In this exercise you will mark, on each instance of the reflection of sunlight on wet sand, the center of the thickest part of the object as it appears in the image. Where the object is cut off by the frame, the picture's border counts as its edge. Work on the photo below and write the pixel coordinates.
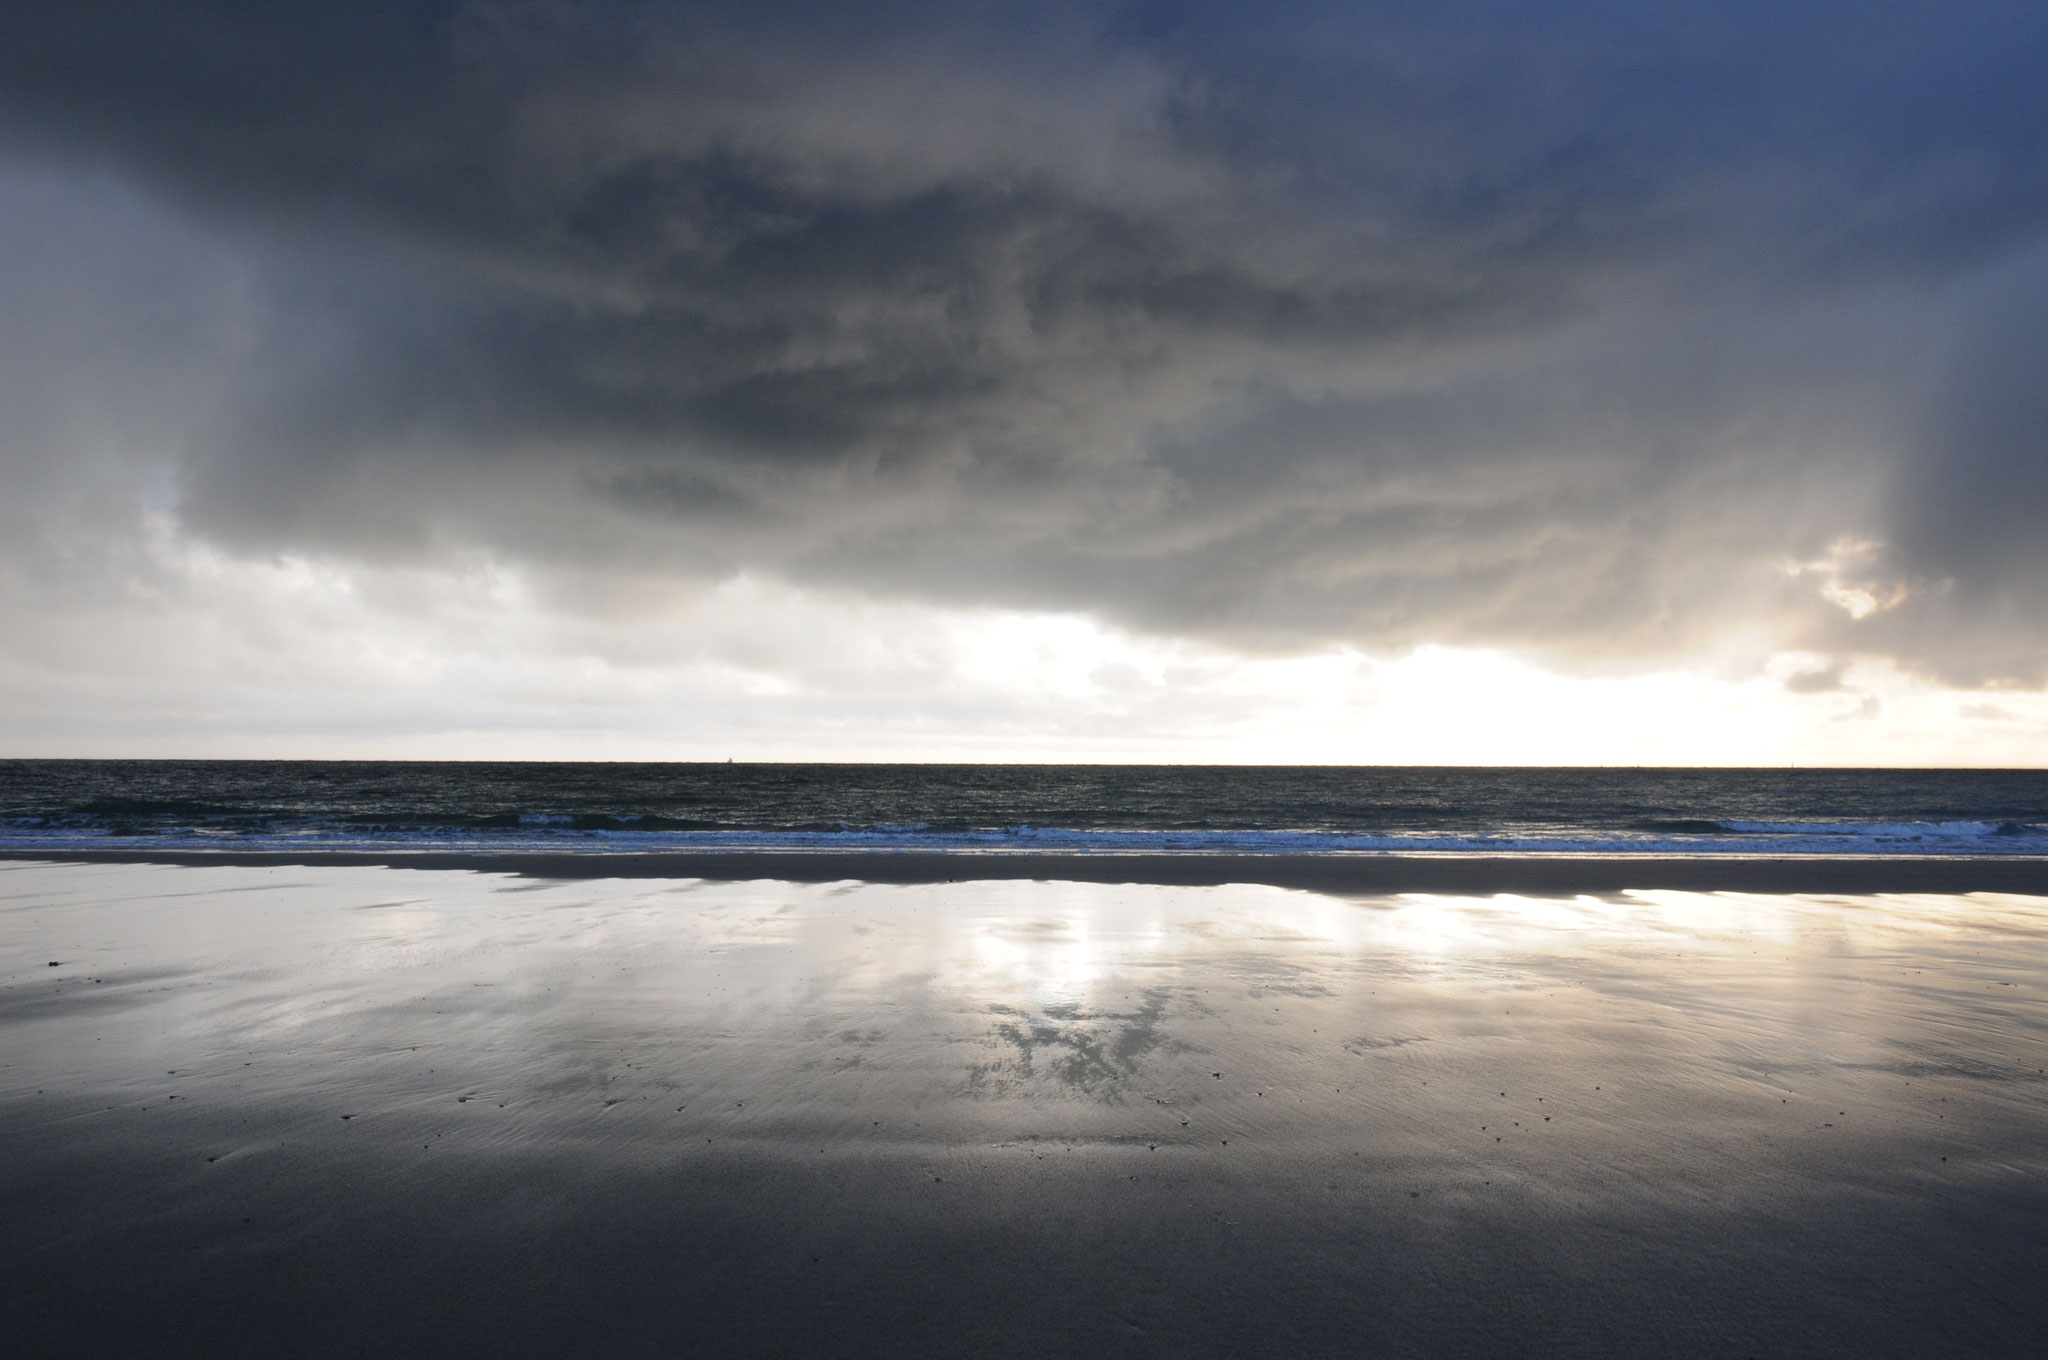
(1038, 963)
(1047, 945)
(1441, 929)
(1030, 946)
(1040, 991)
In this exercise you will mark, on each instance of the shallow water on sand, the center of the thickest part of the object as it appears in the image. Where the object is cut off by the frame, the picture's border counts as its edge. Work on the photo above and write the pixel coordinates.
(337, 1110)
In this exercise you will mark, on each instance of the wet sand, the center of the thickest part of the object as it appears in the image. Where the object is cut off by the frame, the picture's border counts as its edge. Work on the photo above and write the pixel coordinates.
(342, 1110)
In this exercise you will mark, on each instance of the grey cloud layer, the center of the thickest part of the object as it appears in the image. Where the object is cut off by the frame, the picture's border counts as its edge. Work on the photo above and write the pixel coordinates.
(1576, 327)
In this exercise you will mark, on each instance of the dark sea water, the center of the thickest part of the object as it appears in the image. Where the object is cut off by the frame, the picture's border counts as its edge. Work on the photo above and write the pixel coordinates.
(644, 807)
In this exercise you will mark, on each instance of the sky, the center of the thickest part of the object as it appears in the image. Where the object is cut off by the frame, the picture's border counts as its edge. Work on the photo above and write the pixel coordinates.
(1455, 382)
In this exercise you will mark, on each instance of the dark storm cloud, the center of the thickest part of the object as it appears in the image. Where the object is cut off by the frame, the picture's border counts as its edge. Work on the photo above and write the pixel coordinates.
(1593, 327)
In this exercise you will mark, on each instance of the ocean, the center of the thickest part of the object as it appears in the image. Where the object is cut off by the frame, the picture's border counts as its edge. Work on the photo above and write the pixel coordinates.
(610, 807)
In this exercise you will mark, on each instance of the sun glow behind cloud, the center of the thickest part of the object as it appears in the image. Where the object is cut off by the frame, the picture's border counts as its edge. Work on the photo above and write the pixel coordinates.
(296, 656)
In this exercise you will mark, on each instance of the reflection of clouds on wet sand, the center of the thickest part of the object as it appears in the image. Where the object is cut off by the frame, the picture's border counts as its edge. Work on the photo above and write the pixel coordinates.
(807, 1005)
(1635, 1068)
(1087, 1052)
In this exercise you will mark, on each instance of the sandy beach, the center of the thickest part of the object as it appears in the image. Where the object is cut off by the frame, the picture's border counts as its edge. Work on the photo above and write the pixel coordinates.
(345, 1109)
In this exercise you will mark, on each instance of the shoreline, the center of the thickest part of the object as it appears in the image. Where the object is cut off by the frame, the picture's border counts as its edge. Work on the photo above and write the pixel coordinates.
(1540, 875)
